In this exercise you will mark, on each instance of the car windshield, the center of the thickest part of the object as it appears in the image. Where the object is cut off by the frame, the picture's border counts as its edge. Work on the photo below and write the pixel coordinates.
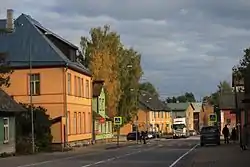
(209, 129)
(178, 126)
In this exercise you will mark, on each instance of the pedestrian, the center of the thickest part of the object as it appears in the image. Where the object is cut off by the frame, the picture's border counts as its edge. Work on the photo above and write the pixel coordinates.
(225, 132)
(143, 136)
(244, 137)
(234, 135)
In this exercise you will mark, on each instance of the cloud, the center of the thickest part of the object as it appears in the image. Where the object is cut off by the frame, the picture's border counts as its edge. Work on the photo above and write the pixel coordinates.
(186, 45)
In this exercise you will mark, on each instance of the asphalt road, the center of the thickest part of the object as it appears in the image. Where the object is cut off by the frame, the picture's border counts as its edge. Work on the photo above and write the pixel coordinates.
(164, 152)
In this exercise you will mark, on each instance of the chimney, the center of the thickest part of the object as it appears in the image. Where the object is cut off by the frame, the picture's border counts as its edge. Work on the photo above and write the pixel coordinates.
(10, 20)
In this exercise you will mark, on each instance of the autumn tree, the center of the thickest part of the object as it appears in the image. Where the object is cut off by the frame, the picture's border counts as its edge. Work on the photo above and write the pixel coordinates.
(130, 74)
(101, 55)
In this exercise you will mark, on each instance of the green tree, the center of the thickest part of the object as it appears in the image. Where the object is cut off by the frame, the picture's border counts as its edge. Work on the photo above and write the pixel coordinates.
(42, 124)
(101, 55)
(130, 74)
(149, 87)
(5, 71)
(187, 97)
(223, 87)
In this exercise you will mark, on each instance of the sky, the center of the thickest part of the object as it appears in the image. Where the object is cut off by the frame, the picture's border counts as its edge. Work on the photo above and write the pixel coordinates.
(186, 45)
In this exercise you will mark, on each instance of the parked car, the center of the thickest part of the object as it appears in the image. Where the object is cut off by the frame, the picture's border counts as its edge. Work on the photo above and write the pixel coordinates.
(210, 135)
(192, 133)
(151, 135)
(132, 136)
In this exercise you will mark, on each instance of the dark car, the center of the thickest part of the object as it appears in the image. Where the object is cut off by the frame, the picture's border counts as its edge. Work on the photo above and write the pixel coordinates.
(132, 136)
(210, 135)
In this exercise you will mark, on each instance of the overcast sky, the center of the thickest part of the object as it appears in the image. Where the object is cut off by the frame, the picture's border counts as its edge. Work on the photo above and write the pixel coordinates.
(186, 45)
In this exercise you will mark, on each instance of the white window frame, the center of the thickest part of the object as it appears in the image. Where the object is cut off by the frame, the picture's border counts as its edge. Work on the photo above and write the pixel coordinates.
(33, 84)
(8, 130)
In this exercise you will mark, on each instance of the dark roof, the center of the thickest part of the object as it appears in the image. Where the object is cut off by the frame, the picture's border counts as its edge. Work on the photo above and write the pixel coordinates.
(8, 104)
(97, 88)
(148, 101)
(31, 38)
(179, 106)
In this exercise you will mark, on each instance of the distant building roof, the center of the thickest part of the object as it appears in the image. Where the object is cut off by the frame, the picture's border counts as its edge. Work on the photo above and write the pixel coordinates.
(8, 104)
(148, 101)
(45, 47)
(97, 88)
(179, 106)
(197, 107)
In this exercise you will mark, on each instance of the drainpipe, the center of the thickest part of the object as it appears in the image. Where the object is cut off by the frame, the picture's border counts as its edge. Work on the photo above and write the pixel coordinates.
(65, 106)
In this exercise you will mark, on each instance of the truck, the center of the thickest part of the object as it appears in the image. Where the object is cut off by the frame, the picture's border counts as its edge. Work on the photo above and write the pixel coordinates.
(180, 129)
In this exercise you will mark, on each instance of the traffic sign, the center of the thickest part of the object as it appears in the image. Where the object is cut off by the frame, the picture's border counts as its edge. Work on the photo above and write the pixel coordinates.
(102, 120)
(117, 120)
(213, 118)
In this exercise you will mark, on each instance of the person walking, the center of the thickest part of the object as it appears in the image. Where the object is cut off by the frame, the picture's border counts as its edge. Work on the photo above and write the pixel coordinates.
(225, 132)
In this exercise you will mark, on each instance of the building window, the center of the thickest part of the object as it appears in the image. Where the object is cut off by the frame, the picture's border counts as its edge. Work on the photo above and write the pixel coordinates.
(76, 86)
(90, 120)
(84, 122)
(82, 87)
(68, 123)
(87, 89)
(35, 84)
(79, 87)
(162, 114)
(69, 84)
(75, 122)
(80, 122)
(228, 121)
(158, 114)
(6, 130)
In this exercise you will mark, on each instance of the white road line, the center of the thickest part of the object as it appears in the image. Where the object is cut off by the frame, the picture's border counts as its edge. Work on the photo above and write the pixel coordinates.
(180, 158)
(114, 158)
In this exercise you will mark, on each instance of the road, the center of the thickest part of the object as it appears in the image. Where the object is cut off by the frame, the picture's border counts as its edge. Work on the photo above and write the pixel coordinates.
(163, 152)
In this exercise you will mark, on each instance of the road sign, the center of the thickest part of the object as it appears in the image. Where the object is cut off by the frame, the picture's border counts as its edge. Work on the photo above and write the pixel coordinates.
(117, 120)
(212, 118)
(102, 120)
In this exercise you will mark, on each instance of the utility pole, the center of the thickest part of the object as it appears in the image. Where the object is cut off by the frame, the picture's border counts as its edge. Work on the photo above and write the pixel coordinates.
(31, 99)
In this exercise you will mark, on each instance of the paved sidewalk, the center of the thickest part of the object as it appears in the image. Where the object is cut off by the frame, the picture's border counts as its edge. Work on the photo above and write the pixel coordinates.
(217, 156)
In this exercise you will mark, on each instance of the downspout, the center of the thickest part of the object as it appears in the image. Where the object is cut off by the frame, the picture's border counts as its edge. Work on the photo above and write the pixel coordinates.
(65, 127)
(93, 116)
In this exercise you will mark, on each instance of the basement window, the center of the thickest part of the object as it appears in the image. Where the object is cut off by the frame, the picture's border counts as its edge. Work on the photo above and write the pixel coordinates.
(6, 130)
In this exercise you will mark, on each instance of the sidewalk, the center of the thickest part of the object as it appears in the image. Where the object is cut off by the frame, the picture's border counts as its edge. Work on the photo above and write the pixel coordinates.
(217, 156)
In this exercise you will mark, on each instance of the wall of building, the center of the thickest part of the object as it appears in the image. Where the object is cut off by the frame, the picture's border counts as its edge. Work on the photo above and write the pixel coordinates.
(190, 117)
(9, 147)
(57, 95)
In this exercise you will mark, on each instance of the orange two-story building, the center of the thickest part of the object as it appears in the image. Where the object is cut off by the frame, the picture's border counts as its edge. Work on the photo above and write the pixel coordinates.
(152, 116)
(48, 74)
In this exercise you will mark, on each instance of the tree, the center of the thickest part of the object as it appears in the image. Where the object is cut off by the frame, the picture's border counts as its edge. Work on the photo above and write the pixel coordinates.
(5, 71)
(149, 87)
(223, 87)
(187, 97)
(130, 74)
(101, 56)
(42, 124)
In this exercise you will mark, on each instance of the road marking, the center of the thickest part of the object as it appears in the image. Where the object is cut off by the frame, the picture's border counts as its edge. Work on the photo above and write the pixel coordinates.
(180, 158)
(115, 158)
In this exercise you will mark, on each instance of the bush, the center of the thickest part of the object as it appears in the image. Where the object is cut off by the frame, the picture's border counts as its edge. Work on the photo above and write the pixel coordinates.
(42, 133)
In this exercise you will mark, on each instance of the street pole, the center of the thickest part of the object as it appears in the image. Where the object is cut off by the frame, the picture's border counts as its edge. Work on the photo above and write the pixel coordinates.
(238, 114)
(31, 101)
(136, 127)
